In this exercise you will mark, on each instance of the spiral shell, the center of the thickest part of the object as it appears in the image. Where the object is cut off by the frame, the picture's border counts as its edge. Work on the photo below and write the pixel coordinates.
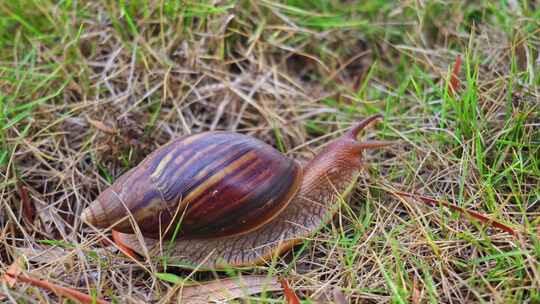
(207, 185)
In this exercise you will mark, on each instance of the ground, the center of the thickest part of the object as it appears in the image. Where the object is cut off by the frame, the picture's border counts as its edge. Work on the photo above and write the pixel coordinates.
(88, 88)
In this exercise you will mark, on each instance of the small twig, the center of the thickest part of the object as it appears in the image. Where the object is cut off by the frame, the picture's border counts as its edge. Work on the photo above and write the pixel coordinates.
(472, 213)
(29, 211)
(454, 80)
(122, 247)
(14, 268)
(416, 295)
(59, 290)
(290, 295)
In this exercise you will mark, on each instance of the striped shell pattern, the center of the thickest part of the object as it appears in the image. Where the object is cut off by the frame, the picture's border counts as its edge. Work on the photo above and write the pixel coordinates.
(213, 184)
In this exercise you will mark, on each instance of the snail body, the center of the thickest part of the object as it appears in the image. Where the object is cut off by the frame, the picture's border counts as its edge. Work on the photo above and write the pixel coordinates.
(226, 199)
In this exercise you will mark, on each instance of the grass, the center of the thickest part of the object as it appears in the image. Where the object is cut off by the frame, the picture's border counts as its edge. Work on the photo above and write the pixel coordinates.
(294, 74)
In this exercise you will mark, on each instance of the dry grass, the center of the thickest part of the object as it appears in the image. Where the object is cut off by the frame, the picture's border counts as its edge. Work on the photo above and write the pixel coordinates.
(87, 90)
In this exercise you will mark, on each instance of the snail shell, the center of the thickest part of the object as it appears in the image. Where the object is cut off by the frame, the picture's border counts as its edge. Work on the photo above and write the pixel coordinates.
(207, 185)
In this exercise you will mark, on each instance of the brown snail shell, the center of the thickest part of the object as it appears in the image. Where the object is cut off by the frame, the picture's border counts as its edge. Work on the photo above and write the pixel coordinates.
(210, 185)
(259, 219)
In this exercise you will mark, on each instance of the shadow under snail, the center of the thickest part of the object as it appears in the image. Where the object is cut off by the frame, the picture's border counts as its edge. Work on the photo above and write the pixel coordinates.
(227, 199)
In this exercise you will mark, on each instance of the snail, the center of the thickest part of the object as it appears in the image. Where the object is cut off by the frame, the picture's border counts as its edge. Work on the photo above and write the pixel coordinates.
(224, 199)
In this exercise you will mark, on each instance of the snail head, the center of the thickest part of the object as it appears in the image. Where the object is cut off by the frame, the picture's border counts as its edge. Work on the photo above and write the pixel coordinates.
(345, 152)
(355, 147)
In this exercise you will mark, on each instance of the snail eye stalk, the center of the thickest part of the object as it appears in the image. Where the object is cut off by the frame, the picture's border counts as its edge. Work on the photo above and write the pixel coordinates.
(353, 133)
(368, 144)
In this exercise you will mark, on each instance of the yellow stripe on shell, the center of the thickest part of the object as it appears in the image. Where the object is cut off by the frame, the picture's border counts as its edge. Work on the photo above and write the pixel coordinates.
(162, 164)
(214, 179)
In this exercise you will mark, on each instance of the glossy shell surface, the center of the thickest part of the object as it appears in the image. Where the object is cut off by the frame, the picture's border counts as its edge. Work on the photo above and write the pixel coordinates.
(210, 185)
